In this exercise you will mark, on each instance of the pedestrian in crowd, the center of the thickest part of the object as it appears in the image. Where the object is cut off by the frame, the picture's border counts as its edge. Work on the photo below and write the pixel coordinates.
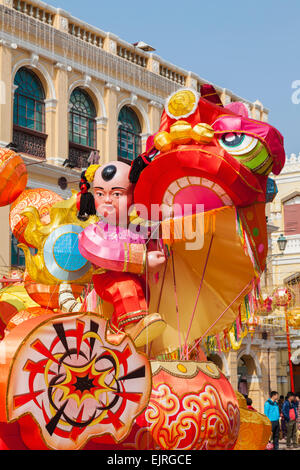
(297, 402)
(249, 404)
(298, 417)
(280, 402)
(282, 421)
(290, 413)
(243, 386)
(271, 410)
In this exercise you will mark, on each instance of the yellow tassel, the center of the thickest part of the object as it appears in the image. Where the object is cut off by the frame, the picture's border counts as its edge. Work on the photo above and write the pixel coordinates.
(90, 172)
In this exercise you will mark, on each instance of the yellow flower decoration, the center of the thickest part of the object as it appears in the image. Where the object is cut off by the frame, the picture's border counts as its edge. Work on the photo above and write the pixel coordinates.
(182, 103)
(90, 172)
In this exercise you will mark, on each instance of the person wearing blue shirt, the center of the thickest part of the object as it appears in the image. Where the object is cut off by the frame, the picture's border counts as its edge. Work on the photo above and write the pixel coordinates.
(271, 410)
(290, 413)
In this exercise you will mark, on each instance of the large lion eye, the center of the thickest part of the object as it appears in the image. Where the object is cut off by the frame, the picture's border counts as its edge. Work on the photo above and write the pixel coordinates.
(248, 151)
(237, 144)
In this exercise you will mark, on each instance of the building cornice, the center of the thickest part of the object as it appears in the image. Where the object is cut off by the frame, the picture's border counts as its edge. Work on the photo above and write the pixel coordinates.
(120, 42)
(39, 167)
(162, 61)
(57, 59)
(286, 260)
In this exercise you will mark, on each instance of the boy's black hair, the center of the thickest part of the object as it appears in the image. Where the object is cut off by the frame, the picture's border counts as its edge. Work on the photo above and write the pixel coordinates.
(87, 201)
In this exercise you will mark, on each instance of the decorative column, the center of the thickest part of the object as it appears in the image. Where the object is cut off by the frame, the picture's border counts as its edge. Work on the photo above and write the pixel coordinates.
(111, 140)
(101, 123)
(154, 112)
(153, 63)
(256, 110)
(233, 365)
(7, 3)
(273, 369)
(61, 21)
(191, 81)
(110, 43)
(60, 146)
(225, 97)
(265, 379)
(50, 117)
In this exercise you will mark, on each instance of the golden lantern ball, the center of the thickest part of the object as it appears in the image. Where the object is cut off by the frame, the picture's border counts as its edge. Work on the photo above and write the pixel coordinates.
(203, 133)
(255, 428)
(252, 324)
(13, 176)
(163, 142)
(283, 297)
(180, 132)
(40, 198)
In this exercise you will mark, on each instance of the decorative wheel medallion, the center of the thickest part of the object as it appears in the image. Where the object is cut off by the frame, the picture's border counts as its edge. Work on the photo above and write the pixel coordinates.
(62, 257)
(182, 103)
(75, 384)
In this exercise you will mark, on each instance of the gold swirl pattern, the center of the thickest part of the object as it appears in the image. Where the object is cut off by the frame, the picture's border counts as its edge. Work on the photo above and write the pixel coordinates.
(196, 421)
(41, 199)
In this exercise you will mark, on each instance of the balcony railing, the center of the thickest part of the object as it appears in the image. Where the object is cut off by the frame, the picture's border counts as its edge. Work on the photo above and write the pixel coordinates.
(34, 11)
(82, 55)
(132, 56)
(172, 75)
(30, 142)
(53, 33)
(78, 155)
(86, 35)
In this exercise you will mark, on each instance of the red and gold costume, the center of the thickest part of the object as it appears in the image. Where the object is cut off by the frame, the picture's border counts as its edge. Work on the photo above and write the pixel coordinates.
(122, 256)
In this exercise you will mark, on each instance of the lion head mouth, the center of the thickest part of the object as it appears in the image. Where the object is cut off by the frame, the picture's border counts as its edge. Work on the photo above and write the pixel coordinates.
(193, 194)
(197, 178)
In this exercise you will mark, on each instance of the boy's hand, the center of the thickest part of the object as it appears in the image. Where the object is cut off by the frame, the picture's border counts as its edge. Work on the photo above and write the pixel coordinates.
(155, 259)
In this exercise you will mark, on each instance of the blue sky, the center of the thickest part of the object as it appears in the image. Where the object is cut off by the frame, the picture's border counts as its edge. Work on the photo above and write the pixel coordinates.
(251, 48)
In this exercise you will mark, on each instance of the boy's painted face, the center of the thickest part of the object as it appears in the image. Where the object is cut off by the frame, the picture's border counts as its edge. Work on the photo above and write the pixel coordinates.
(113, 192)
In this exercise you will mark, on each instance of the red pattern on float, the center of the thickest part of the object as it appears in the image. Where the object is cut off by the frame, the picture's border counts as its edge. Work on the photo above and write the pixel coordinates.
(13, 176)
(192, 407)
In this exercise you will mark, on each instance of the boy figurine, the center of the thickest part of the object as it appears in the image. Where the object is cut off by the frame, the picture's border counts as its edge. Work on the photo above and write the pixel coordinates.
(122, 255)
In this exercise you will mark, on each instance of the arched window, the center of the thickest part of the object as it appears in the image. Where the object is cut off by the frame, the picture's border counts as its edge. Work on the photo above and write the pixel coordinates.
(216, 360)
(29, 101)
(242, 373)
(82, 119)
(129, 135)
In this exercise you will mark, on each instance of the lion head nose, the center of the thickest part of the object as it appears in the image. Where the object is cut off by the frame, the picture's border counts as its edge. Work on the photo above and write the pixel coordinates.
(181, 132)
